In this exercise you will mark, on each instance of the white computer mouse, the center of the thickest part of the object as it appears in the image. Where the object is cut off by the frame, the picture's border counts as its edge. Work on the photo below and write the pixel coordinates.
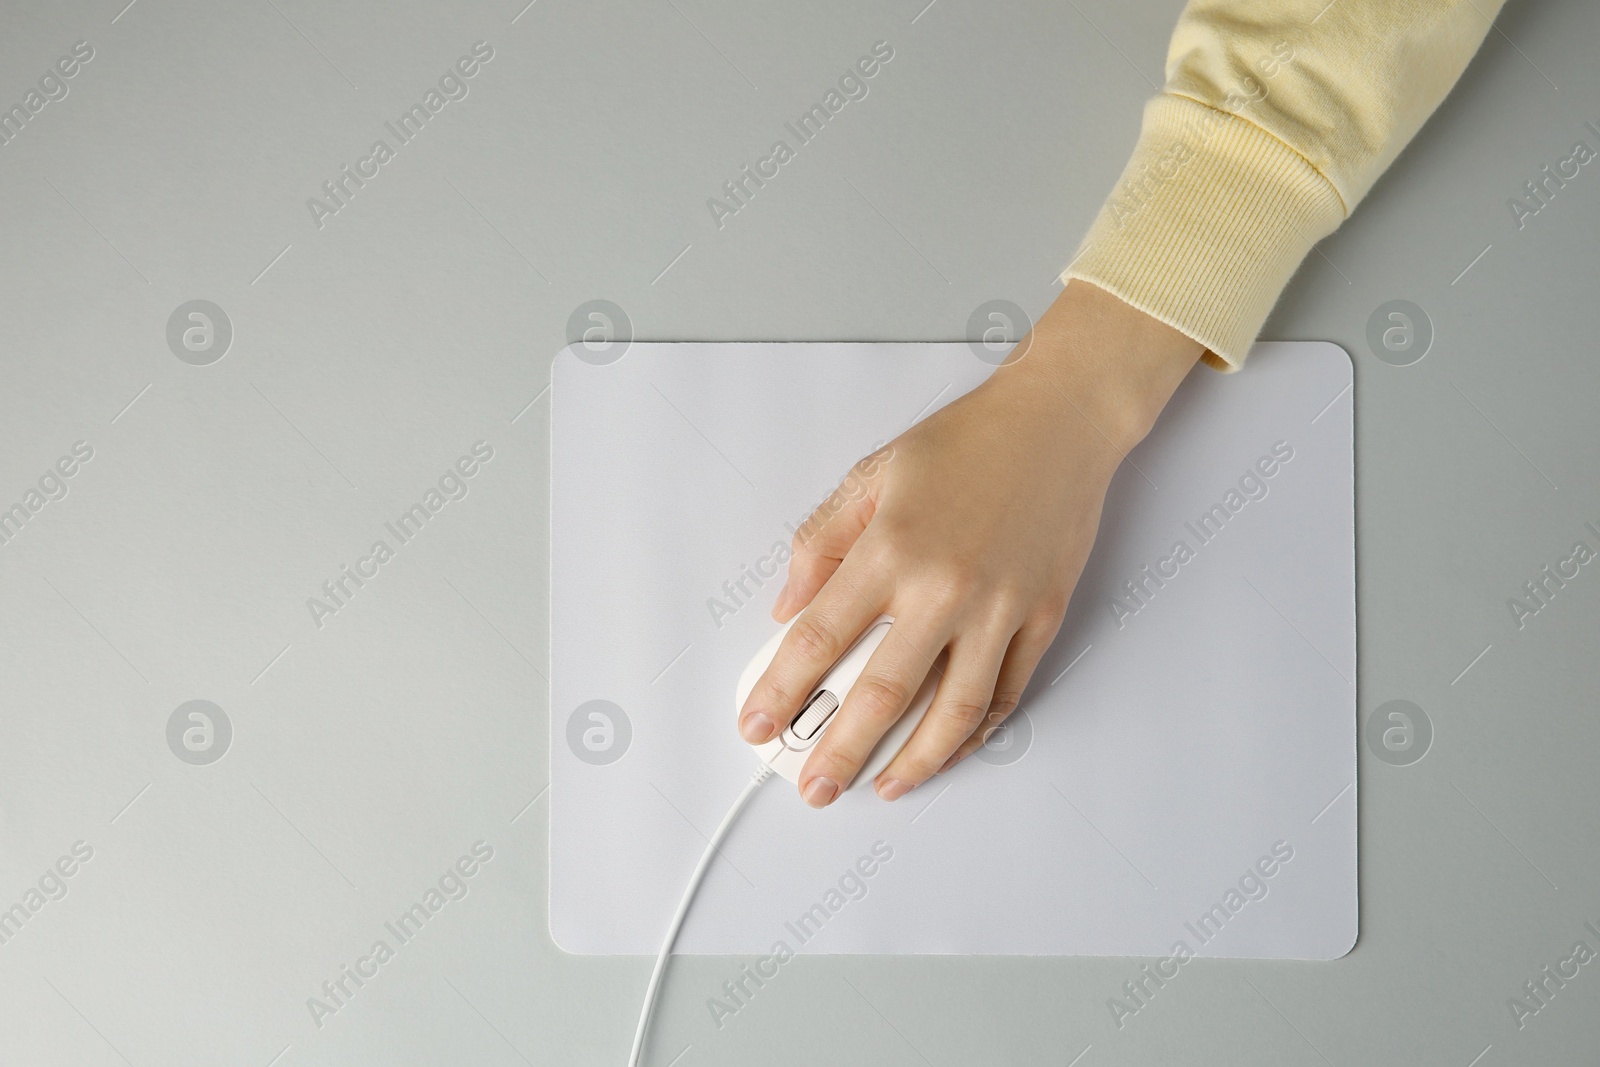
(786, 754)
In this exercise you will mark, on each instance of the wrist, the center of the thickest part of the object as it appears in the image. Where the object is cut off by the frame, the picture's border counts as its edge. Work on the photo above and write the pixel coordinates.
(1096, 357)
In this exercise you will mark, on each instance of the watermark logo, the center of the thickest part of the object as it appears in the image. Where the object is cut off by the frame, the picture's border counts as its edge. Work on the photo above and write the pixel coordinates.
(199, 732)
(739, 191)
(852, 885)
(51, 886)
(599, 732)
(599, 332)
(339, 191)
(993, 330)
(1139, 592)
(451, 886)
(1008, 742)
(1541, 589)
(452, 485)
(51, 87)
(1539, 191)
(51, 486)
(199, 332)
(737, 591)
(1399, 733)
(1551, 979)
(1399, 333)
(1251, 887)
(1140, 187)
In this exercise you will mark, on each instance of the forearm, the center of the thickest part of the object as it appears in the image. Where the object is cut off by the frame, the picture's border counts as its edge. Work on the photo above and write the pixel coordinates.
(1276, 119)
(1095, 358)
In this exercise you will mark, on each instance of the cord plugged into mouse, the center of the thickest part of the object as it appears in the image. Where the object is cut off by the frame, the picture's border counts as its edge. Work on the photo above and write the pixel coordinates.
(786, 755)
(762, 773)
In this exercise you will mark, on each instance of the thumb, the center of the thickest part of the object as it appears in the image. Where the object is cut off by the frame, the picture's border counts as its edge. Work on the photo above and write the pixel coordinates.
(826, 537)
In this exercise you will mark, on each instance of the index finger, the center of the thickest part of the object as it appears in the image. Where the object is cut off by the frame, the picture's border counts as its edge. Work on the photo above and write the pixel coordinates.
(879, 697)
(819, 637)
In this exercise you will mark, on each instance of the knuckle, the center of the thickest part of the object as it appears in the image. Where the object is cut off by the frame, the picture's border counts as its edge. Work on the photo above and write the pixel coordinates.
(917, 766)
(965, 710)
(880, 698)
(850, 490)
(812, 637)
(869, 466)
(1003, 703)
(915, 770)
(1052, 608)
(778, 694)
(835, 761)
(800, 543)
(1013, 607)
(841, 760)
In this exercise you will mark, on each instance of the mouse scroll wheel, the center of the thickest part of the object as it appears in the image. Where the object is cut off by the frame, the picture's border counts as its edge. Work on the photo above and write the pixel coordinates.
(815, 715)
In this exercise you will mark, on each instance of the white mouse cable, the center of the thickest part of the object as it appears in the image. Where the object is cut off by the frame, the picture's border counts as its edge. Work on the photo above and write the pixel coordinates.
(762, 774)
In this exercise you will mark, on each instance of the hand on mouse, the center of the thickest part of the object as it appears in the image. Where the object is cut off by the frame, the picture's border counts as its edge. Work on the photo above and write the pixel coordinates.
(970, 529)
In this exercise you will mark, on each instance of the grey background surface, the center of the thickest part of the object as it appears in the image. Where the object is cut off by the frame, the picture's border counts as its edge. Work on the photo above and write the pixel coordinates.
(369, 754)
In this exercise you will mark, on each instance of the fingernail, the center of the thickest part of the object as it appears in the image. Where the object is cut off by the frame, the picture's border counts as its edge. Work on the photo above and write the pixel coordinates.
(893, 788)
(821, 791)
(755, 728)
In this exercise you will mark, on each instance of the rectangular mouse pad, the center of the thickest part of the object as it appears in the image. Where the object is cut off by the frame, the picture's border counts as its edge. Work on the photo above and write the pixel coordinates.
(1182, 771)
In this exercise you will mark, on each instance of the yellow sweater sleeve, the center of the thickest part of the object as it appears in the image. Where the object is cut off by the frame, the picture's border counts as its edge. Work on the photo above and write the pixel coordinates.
(1276, 118)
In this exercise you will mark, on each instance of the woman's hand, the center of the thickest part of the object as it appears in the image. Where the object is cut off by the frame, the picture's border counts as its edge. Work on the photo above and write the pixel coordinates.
(971, 532)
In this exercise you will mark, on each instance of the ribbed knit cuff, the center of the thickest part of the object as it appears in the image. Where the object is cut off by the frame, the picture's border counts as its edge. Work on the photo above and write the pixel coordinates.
(1208, 223)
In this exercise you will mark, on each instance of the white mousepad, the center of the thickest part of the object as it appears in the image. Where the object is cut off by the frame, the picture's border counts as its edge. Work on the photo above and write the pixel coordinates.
(1182, 771)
